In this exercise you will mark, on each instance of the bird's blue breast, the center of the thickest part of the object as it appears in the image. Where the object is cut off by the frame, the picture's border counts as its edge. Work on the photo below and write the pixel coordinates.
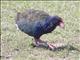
(37, 27)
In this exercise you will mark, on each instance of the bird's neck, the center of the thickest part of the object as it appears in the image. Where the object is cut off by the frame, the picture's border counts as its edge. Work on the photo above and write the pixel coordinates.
(52, 20)
(49, 24)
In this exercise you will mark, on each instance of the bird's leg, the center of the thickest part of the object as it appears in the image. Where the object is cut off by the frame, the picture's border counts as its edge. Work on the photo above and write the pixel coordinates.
(39, 42)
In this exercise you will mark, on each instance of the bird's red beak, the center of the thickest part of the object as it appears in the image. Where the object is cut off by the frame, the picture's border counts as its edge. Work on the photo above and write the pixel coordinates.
(61, 24)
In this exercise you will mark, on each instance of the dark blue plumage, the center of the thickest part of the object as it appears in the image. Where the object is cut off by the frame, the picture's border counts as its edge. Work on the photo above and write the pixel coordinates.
(36, 23)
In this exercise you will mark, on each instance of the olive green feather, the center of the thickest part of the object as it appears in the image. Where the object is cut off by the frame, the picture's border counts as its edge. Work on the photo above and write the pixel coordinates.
(32, 15)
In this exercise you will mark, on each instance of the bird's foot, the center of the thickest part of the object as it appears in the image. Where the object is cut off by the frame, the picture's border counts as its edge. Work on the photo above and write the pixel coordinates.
(57, 46)
(40, 43)
(51, 46)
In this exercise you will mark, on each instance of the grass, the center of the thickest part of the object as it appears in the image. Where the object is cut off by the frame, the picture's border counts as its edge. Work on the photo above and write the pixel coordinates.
(15, 45)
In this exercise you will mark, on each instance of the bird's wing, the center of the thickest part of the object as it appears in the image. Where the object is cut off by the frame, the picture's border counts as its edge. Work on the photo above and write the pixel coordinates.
(33, 15)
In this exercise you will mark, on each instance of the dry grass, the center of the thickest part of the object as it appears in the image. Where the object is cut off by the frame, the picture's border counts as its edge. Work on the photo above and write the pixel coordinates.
(15, 45)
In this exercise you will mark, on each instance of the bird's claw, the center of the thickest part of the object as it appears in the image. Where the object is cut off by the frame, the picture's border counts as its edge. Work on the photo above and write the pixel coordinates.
(50, 46)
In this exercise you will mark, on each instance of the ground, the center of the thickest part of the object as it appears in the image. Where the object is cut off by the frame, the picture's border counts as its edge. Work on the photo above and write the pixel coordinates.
(16, 45)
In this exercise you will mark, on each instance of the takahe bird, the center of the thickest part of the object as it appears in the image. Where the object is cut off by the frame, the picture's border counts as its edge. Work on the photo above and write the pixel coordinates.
(35, 23)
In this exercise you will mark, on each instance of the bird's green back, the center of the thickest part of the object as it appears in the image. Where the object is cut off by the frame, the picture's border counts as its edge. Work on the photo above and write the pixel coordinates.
(33, 15)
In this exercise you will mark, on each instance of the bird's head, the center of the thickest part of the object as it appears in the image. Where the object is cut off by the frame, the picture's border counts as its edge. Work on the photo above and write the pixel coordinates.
(59, 21)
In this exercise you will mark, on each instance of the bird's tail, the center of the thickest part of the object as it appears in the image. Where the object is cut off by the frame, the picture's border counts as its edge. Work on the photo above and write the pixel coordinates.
(17, 17)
